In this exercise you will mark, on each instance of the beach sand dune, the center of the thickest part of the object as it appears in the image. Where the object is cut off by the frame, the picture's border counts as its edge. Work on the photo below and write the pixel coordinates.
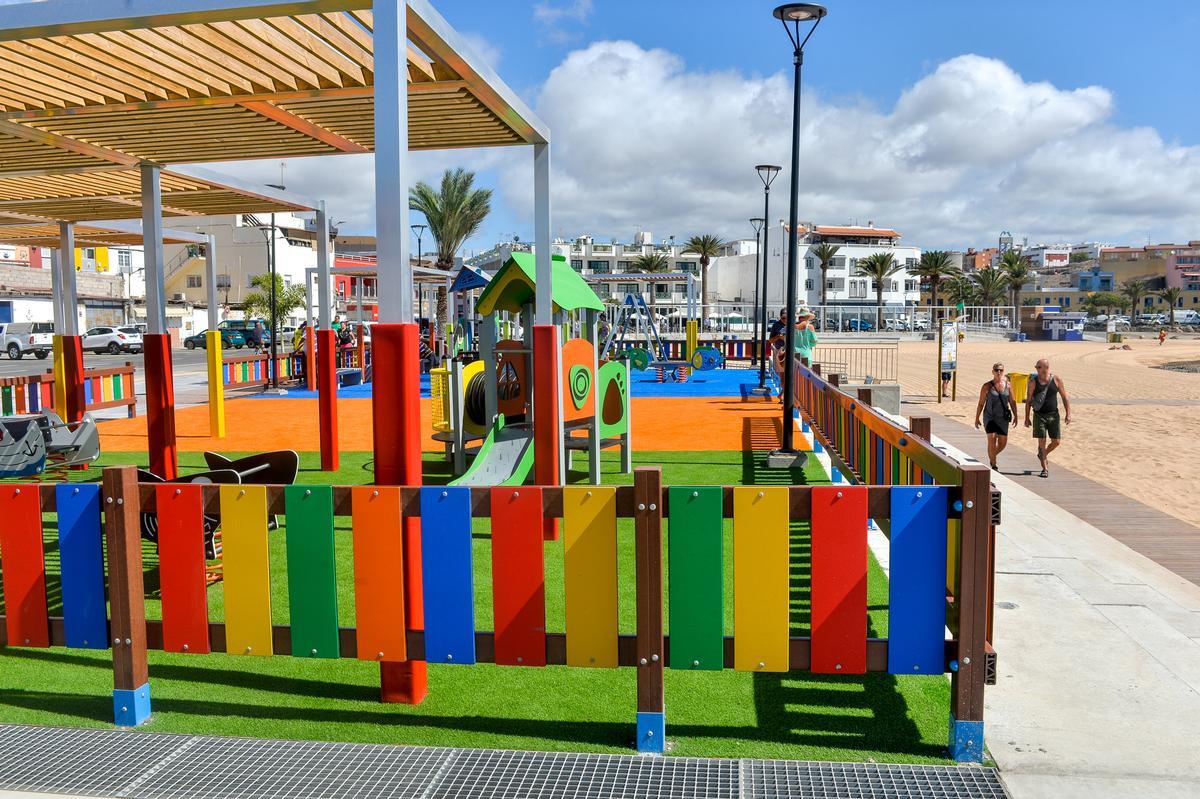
(1135, 428)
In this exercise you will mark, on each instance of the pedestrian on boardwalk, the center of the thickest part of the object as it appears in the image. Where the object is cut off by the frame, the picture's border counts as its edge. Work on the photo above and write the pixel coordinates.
(1042, 402)
(1162, 336)
(998, 408)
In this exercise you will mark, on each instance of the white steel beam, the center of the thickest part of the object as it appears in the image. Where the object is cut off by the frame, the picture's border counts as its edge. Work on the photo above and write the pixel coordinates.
(210, 277)
(391, 150)
(152, 246)
(324, 256)
(66, 269)
(543, 312)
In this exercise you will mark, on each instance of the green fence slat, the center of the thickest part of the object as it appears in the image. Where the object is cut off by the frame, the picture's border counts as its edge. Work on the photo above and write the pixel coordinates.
(312, 577)
(696, 571)
(6, 401)
(895, 466)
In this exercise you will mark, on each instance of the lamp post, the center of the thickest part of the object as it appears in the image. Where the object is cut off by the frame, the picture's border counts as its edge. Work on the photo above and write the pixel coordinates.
(757, 223)
(767, 174)
(792, 15)
(420, 231)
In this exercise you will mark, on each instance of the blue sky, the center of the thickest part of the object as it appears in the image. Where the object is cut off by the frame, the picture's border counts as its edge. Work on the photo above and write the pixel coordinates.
(1059, 121)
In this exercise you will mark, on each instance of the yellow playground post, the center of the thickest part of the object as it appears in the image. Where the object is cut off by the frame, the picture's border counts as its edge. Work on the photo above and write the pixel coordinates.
(60, 383)
(216, 385)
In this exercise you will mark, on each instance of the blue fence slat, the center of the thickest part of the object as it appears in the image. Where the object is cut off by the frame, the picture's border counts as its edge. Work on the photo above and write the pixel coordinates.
(917, 586)
(447, 576)
(85, 616)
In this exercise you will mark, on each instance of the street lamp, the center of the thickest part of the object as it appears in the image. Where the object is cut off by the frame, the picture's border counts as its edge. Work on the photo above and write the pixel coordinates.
(757, 223)
(767, 174)
(792, 15)
(274, 322)
(420, 231)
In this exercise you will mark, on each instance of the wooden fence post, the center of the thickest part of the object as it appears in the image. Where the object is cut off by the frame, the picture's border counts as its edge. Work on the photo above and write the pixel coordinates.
(971, 593)
(651, 717)
(865, 395)
(126, 595)
(835, 380)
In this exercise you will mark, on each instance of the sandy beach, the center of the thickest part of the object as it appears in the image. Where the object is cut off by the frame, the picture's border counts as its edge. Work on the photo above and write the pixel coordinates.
(1134, 426)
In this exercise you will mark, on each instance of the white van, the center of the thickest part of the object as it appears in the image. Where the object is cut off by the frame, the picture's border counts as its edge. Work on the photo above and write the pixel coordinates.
(22, 337)
(1188, 317)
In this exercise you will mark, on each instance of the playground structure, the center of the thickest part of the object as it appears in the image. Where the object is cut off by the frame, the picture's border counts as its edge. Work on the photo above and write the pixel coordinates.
(671, 361)
(490, 398)
(39, 443)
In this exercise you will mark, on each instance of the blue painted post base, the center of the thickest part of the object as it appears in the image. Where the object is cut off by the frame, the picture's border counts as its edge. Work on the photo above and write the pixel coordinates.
(651, 733)
(835, 476)
(131, 708)
(803, 425)
(966, 740)
(817, 446)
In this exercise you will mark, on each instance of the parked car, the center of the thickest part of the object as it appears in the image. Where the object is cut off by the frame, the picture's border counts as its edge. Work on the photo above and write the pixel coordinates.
(113, 340)
(253, 331)
(860, 325)
(20, 338)
(230, 340)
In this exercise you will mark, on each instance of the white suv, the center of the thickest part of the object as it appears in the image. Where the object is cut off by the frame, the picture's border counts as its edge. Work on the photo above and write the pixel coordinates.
(19, 338)
(113, 340)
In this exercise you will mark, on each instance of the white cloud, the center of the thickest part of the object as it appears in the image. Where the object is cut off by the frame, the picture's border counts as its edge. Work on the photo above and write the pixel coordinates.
(554, 18)
(639, 141)
(485, 48)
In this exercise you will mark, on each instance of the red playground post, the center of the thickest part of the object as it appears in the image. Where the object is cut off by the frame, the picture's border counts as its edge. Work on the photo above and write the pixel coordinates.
(546, 421)
(76, 405)
(396, 413)
(160, 405)
(327, 398)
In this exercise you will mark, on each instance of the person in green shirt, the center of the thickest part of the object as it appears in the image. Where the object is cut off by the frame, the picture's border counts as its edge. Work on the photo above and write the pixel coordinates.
(806, 335)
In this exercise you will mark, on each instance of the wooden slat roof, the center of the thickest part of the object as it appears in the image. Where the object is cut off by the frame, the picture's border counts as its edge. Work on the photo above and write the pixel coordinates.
(91, 235)
(86, 85)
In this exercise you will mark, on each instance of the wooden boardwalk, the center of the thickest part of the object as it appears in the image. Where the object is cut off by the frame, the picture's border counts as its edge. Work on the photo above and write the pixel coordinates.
(1168, 541)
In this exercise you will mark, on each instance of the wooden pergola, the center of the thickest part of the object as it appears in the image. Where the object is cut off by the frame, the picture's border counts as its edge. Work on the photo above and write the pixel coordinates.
(90, 89)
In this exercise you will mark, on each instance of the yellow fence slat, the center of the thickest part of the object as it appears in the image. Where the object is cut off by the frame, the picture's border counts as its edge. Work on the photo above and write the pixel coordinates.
(590, 571)
(247, 573)
(760, 578)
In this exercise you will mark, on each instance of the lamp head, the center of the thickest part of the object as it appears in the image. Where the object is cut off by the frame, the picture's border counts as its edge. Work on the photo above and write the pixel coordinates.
(792, 14)
(757, 223)
(767, 173)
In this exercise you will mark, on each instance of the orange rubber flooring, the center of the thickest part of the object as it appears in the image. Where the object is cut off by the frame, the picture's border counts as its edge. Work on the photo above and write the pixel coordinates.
(677, 424)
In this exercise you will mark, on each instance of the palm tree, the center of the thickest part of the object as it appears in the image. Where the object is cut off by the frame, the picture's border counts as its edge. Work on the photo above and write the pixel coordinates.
(257, 303)
(960, 290)
(933, 268)
(652, 264)
(454, 214)
(707, 247)
(1016, 270)
(1171, 298)
(1136, 291)
(824, 253)
(990, 285)
(879, 267)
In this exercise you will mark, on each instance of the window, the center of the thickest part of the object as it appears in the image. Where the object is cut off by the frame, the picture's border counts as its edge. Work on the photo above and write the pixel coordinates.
(627, 288)
(858, 289)
(691, 267)
(577, 264)
(662, 289)
(810, 263)
(910, 285)
(193, 281)
(89, 253)
(909, 263)
(223, 282)
(838, 262)
(853, 264)
(603, 290)
(124, 259)
(808, 284)
(599, 267)
(624, 266)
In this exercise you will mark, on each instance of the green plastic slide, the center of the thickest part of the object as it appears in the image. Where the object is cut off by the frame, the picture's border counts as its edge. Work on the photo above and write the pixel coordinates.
(505, 459)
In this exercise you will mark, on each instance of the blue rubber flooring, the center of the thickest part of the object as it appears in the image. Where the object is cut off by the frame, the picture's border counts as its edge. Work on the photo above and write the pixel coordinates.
(716, 383)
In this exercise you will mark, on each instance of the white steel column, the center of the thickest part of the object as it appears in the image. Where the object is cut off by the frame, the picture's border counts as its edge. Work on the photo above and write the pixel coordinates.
(56, 290)
(308, 286)
(210, 275)
(324, 302)
(152, 236)
(391, 150)
(66, 273)
(543, 312)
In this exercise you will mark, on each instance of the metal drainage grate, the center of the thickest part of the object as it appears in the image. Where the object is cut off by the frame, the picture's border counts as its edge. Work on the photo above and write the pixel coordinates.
(774, 779)
(138, 765)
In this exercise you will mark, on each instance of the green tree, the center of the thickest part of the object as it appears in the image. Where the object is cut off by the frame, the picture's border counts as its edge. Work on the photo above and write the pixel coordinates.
(1136, 290)
(933, 268)
(824, 253)
(1106, 301)
(991, 286)
(879, 267)
(707, 247)
(1171, 298)
(257, 302)
(454, 213)
(1016, 270)
(1078, 257)
(960, 289)
(654, 263)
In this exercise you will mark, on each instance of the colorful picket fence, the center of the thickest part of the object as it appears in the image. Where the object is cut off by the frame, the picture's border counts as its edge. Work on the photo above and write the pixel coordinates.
(103, 388)
(254, 370)
(917, 518)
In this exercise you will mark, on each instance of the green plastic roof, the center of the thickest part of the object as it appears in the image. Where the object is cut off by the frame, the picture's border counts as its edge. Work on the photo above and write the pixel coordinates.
(515, 284)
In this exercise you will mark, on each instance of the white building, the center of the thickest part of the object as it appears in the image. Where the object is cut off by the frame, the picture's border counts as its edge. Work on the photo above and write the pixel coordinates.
(241, 245)
(1047, 256)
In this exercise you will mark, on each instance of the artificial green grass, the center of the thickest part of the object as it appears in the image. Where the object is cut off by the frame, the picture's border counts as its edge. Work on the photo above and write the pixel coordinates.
(726, 713)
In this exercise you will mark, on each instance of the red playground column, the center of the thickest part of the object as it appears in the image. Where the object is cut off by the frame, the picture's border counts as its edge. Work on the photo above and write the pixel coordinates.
(327, 398)
(546, 417)
(160, 405)
(76, 406)
(396, 415)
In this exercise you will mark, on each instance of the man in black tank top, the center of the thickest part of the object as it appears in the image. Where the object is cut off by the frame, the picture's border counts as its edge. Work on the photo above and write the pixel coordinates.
(1041, 400)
